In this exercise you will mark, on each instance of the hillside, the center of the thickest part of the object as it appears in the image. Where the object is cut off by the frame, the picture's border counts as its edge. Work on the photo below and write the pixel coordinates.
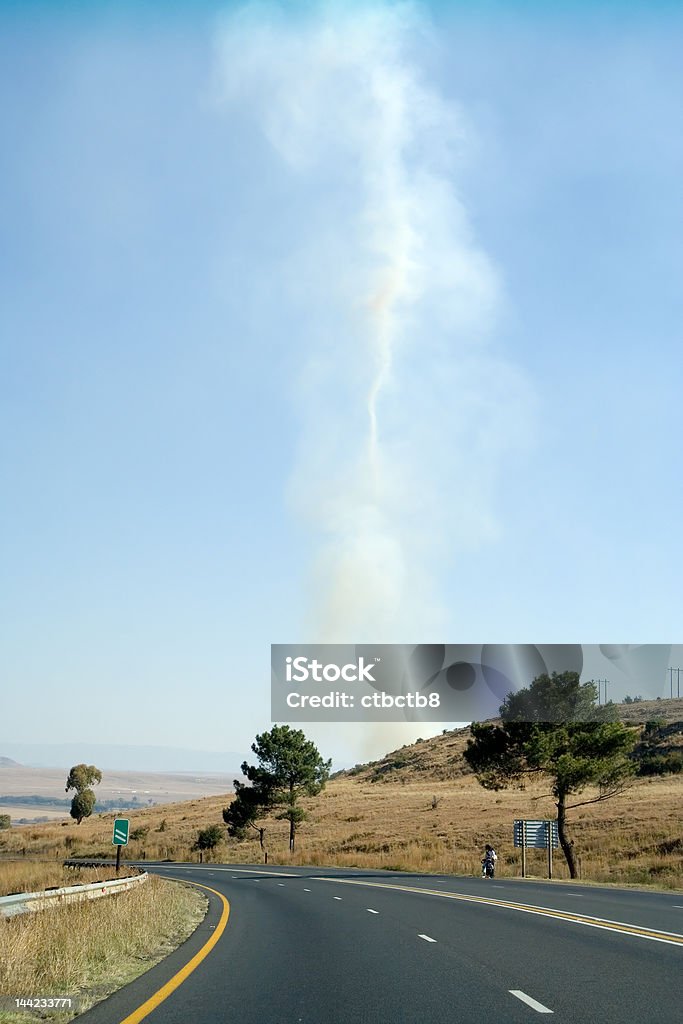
(440, 757)
(415, 809)
(642, 711)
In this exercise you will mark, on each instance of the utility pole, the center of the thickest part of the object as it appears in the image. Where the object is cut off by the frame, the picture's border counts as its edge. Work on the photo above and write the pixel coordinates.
(600, 683)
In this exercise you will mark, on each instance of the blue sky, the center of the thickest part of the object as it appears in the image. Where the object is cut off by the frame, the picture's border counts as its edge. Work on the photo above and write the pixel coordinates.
(198, 210)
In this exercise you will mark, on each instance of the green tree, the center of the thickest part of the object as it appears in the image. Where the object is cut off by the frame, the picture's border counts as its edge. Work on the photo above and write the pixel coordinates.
(81, 778)
(207, 839)
(82, 805)
(289, 767)
(5, 821)
(554, 728)
(249, 804)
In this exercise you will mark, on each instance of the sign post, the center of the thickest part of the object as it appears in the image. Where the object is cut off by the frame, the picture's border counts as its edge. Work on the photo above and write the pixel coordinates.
(539, 834)
(120, 838)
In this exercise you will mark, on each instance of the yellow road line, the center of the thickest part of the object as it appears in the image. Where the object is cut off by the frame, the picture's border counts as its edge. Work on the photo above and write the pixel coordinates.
(173, 983)
(672, 938)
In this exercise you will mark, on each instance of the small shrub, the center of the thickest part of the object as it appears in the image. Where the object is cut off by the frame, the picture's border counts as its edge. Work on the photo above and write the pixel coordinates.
(661, 764)
(670, 846)
(208, 838)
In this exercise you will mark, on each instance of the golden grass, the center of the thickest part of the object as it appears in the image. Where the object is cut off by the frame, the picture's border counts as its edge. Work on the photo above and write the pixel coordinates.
(91, 949)
(633, 838)
(636, 838)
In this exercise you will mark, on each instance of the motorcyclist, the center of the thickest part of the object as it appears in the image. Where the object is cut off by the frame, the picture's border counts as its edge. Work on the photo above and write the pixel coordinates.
(488, 864)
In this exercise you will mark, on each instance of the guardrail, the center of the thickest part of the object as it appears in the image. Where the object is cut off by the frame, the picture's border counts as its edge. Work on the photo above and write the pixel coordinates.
(25, 902)
(90, 862)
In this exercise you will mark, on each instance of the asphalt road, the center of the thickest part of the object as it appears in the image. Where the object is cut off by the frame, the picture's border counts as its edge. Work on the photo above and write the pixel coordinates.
(343, 946)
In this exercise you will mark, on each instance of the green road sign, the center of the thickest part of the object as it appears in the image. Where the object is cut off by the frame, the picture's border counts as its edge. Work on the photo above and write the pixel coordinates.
(120, 832)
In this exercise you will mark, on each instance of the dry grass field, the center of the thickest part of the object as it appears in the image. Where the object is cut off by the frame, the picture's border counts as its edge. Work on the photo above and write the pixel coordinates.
(84, 950)
(415, 809)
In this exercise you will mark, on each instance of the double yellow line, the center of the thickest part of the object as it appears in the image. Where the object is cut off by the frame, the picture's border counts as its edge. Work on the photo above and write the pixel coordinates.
(593, 922)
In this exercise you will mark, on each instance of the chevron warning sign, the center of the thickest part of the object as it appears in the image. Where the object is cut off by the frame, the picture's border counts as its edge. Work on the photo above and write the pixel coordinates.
(120, 837)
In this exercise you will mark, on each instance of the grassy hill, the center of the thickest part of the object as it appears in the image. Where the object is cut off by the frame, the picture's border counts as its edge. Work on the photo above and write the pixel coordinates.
(440, 758)
(418, 808)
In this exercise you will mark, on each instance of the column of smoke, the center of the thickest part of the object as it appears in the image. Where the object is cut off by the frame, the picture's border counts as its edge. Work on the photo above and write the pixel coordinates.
(406, 412)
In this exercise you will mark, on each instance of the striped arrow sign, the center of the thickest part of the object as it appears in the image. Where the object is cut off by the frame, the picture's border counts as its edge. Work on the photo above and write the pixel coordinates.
(120, 837)
(535, 833)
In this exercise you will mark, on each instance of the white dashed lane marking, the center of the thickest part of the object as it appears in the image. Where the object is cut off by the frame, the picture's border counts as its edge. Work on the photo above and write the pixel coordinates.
(336, 897)
(372, 911)
(533, 1003)
(427, 938)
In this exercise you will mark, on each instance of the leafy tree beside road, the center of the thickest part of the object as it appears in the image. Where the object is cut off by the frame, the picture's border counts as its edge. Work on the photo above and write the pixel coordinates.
(289, 767)
(554, 728)
(207, 839)
(81, 778)
(249, 805)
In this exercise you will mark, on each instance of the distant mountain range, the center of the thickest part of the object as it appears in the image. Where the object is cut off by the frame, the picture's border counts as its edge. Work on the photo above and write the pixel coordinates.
(119, 757)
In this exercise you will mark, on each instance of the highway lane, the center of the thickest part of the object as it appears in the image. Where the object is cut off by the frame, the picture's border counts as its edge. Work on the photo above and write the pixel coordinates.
(344, 946)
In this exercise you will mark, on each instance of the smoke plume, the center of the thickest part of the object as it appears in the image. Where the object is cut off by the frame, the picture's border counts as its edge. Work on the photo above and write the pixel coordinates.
(406, 410)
